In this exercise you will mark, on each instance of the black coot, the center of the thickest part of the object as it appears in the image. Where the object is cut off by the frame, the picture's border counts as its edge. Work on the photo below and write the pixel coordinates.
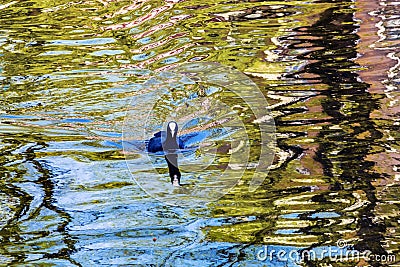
(169, 143)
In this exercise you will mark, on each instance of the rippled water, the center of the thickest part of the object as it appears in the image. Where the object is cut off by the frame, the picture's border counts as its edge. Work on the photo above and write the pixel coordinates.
(328, 69)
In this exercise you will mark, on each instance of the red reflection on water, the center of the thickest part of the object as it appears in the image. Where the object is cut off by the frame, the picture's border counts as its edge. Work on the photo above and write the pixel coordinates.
(153, 13)
(376, 50)
(163, 55)
(172, 21)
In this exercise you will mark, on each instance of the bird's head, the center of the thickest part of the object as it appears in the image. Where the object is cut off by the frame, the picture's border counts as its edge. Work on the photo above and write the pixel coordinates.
(172, 129)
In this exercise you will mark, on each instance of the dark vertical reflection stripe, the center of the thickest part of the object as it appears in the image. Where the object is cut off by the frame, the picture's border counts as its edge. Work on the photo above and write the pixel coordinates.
(48, 202)
(347, 168)
(12, 234)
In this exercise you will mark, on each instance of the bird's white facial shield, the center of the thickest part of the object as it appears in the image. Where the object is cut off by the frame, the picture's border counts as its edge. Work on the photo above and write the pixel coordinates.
(172, 127)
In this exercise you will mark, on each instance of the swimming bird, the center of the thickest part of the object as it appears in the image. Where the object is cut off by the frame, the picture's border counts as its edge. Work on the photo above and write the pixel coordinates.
(169, 143)
(185, 141)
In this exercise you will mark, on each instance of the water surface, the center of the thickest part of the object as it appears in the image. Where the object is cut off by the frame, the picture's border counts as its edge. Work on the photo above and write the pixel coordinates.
(328, 69)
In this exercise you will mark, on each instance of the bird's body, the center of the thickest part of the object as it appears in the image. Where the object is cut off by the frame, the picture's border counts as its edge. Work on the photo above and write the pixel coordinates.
(186, 141)
(155, 144)
(168, 143)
